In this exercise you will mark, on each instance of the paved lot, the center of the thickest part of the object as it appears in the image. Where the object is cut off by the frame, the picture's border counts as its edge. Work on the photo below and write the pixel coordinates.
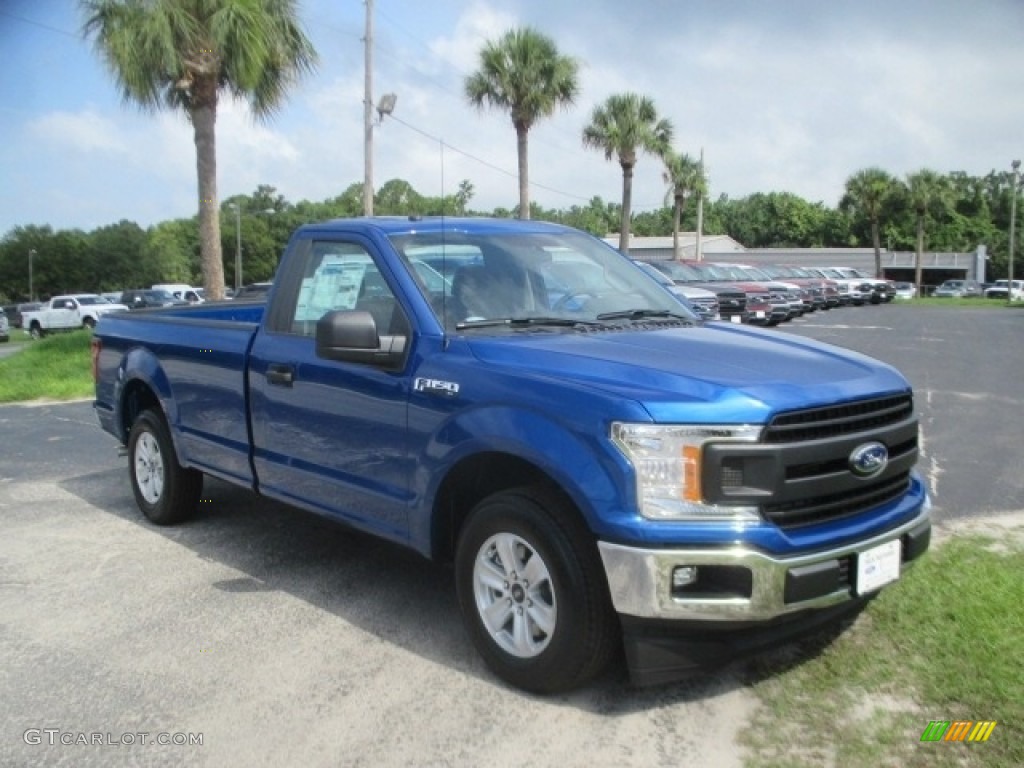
(968, 376)
(285, 640)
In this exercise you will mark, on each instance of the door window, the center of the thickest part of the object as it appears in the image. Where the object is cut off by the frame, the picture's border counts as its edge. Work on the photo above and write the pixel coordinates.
(343, 276)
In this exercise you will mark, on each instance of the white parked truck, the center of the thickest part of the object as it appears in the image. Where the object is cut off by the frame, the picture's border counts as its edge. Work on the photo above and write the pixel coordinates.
(66, 313)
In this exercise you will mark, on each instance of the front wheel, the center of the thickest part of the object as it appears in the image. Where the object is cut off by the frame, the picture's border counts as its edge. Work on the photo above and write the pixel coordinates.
(532, 591)
(89, 323)
(166, 492)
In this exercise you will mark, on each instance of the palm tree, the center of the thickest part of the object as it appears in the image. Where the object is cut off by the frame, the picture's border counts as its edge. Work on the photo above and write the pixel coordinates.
(684, 177)
(524, 74)
(867, 193)
(625, 124)
(182, 55)
(925, 190)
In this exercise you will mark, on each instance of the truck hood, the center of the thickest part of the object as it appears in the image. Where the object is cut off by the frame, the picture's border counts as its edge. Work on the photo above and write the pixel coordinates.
(717, 373)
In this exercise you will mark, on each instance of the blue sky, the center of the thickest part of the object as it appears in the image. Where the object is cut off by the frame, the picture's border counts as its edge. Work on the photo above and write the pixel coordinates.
(783, 95)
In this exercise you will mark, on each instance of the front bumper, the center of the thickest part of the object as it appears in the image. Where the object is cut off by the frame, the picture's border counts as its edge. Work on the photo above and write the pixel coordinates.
(667, 636)
(746, 584)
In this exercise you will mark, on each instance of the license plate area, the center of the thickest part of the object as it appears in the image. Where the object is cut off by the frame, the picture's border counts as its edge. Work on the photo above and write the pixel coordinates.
(878, 566)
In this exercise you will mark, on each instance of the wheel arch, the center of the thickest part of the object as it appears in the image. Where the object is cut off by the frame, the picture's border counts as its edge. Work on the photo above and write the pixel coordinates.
(491, 449)
(144, 384)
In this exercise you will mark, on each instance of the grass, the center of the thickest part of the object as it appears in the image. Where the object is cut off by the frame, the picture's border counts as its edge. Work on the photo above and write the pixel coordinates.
(58, 367)
(945, 643)
(967, 302)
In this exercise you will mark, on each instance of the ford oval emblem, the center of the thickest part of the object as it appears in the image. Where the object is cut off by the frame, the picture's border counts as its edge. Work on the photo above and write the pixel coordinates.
(869, 459)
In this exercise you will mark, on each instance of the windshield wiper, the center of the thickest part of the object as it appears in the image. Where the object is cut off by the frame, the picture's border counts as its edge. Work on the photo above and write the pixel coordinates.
(520, 322)
(642, 314)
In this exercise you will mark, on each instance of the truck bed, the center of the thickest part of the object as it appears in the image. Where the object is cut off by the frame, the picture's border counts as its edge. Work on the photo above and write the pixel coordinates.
(195, 359)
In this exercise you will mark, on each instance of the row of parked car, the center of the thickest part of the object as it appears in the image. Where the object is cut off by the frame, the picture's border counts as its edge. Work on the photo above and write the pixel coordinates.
(1000, 289)
(767, 294)
(83, 310)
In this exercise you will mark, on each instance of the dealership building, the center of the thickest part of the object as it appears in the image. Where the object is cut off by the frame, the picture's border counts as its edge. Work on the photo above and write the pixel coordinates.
(896, 265)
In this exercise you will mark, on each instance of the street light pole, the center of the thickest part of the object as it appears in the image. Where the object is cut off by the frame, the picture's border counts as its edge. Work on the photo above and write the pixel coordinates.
(238, 245)
(1013, 223)
(31, 284)
(368, 113)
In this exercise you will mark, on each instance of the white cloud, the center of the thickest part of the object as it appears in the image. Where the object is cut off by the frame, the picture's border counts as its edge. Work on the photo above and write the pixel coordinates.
(84, 131)
(783, 96)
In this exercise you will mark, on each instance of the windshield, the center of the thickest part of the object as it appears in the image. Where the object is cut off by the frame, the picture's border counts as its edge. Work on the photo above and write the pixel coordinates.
(718, 272)
(531, 278)
(680, 273)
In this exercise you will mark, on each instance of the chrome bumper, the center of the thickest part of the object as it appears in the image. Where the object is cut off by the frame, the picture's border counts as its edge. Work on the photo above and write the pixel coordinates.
(640, 580)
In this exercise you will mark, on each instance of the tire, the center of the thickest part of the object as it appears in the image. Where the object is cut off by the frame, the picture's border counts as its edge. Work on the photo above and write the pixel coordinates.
(166, 492)
(532, 591)
(35, 332)
(89, 323)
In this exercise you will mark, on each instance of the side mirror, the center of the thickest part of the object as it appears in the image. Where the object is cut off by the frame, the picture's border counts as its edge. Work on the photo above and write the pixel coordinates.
(350, 335)
(69, 305)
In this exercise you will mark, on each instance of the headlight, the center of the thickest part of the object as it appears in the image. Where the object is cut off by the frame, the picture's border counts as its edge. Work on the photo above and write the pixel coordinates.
(668, 461)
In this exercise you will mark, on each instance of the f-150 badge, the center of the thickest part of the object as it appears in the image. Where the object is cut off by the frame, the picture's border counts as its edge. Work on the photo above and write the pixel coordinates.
(436, 387)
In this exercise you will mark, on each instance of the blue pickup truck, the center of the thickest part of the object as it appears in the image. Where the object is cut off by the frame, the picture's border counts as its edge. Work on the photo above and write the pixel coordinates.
(601, 469)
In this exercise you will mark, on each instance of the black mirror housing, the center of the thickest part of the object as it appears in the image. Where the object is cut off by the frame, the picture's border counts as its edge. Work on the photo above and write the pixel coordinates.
(350, 335)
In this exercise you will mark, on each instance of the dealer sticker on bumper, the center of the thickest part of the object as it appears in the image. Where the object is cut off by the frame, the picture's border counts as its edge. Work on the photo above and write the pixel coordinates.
(878, 566)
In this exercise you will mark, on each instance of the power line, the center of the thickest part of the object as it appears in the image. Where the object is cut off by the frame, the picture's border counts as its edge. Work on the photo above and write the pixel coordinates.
(486, 163)
(40, 24)
(401, 61)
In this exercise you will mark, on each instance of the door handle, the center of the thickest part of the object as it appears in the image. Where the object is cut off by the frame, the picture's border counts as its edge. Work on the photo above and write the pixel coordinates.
(280, 374)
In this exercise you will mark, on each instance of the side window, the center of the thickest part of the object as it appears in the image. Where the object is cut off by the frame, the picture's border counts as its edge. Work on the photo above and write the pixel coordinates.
(341, 276)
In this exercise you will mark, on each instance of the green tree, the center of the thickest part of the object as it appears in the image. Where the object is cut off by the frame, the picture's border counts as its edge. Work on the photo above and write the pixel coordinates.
(867, 192)
(523, 74)
(929, 196)
(114, 253)
(463, 196)
(398, 198)
(182, 54)
(773, 220)
(685, 178)
(625, 124)
(15, 248)
(169, 255)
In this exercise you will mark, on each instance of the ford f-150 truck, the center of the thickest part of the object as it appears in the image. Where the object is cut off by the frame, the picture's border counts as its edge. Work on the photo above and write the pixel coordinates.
(601, 469)
(67, 313)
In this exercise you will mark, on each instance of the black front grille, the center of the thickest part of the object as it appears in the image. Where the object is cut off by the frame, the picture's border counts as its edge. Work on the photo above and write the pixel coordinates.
(800, 473)
(836, 506)
(836, 420)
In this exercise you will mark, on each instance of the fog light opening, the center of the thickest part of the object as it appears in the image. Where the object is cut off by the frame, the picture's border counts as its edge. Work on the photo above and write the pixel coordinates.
(712, 582)
(683, 576)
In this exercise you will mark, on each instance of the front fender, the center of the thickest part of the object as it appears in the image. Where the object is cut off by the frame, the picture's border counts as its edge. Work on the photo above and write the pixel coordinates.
(584, 465)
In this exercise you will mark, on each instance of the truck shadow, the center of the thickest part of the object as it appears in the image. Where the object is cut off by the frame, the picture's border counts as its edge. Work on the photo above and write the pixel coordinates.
(380, 587)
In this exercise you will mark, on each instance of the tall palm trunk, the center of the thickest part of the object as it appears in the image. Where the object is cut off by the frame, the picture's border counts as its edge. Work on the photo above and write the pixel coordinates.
(523, 151)
(918, 255)
(627, 205)
(204, 119)
(677, 215)
(876, 240)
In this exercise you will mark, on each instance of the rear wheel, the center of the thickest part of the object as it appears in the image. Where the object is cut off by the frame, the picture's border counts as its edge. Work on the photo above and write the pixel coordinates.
(166, 492)
(532, 591)
(35, 331)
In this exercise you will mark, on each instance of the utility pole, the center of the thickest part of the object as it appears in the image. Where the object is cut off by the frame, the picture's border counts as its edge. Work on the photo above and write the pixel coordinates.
(368, 114)
(698, 248)
(1013, 222)
(31, 283)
